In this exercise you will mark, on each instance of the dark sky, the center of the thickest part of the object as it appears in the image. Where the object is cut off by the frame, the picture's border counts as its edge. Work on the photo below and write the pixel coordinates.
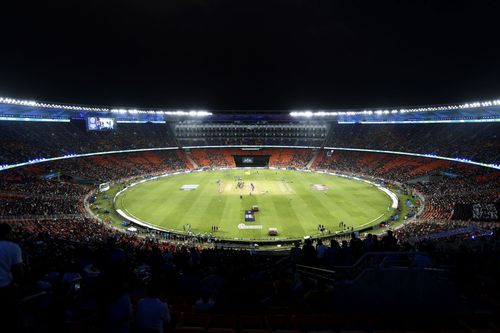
(236, 54)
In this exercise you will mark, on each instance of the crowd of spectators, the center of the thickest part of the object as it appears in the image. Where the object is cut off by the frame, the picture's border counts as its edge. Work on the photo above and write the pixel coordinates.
(89, 270)
(27, 191)
(24, 141)
(92, 274)
(448, 194)
(475, 141)
(295, 158)
(97, 279)
(278, 157)
(213, 158)
(419, 230)
(445, 185)
(114, 167)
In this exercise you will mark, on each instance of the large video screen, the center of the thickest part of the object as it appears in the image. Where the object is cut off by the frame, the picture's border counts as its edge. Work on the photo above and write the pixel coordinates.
(101, 124)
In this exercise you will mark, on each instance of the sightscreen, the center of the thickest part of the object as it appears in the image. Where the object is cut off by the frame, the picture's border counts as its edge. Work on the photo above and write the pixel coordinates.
(251, 161)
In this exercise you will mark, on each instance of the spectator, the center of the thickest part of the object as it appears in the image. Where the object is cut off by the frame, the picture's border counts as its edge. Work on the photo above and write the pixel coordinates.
(153, 315)
(205, 303)
(309, 252)
(296, 255)
(368, 243)
(320, 252)
(389, 242)
(332, 253)
(11, 274)
(356, 246)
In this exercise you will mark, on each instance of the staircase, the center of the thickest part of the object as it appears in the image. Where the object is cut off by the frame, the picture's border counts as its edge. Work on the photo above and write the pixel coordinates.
(191, 160)
(313, 158)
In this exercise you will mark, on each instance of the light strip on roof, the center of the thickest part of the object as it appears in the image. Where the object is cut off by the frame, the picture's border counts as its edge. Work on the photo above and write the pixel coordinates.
(34, 119)
(445, 121)
(13, 101)
(140, 121)
(20, 102)
(310, 113)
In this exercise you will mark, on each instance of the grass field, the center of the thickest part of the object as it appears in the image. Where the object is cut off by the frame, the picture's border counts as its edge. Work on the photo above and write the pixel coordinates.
(287, 201)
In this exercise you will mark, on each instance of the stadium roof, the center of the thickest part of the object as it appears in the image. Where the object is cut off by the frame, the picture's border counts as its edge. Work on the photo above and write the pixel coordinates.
(484, 111)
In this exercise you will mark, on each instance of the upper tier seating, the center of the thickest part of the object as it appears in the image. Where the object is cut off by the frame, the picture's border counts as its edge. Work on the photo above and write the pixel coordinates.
(475, 141)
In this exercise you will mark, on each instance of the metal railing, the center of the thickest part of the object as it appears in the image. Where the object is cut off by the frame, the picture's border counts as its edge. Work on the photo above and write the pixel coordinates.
(369, 260)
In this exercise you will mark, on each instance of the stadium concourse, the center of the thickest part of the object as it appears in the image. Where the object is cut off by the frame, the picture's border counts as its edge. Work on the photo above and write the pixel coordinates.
(433, 273)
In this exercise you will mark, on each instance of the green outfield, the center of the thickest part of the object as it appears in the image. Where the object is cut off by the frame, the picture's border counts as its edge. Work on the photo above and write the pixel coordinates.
(293, 202)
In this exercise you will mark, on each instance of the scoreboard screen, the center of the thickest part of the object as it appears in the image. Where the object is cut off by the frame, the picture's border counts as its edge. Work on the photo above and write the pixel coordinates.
(248, 160)
(101, 124)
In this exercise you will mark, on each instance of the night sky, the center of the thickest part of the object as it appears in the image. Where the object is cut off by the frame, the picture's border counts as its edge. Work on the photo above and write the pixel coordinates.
(265, 55)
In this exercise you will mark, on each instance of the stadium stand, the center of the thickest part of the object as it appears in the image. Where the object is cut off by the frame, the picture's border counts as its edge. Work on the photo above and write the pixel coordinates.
(191, 133)
(451, 183)
(25, 193)
(438, 272)
(278, 157)
(477, 142)
(23, 141)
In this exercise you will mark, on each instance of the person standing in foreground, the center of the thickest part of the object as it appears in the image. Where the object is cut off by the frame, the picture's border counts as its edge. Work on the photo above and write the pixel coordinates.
(11, 274)
(153, 315)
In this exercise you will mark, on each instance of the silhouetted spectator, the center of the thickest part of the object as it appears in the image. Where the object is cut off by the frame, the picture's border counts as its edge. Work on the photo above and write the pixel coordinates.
(320, 253)
(356, 246)
(296, 255)
(389, 242)
(153, 315)
(309, 252)
(11, 273)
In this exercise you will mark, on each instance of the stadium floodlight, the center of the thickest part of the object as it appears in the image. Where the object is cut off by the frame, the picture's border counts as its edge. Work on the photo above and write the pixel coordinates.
(31, 103)
(322, 113)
